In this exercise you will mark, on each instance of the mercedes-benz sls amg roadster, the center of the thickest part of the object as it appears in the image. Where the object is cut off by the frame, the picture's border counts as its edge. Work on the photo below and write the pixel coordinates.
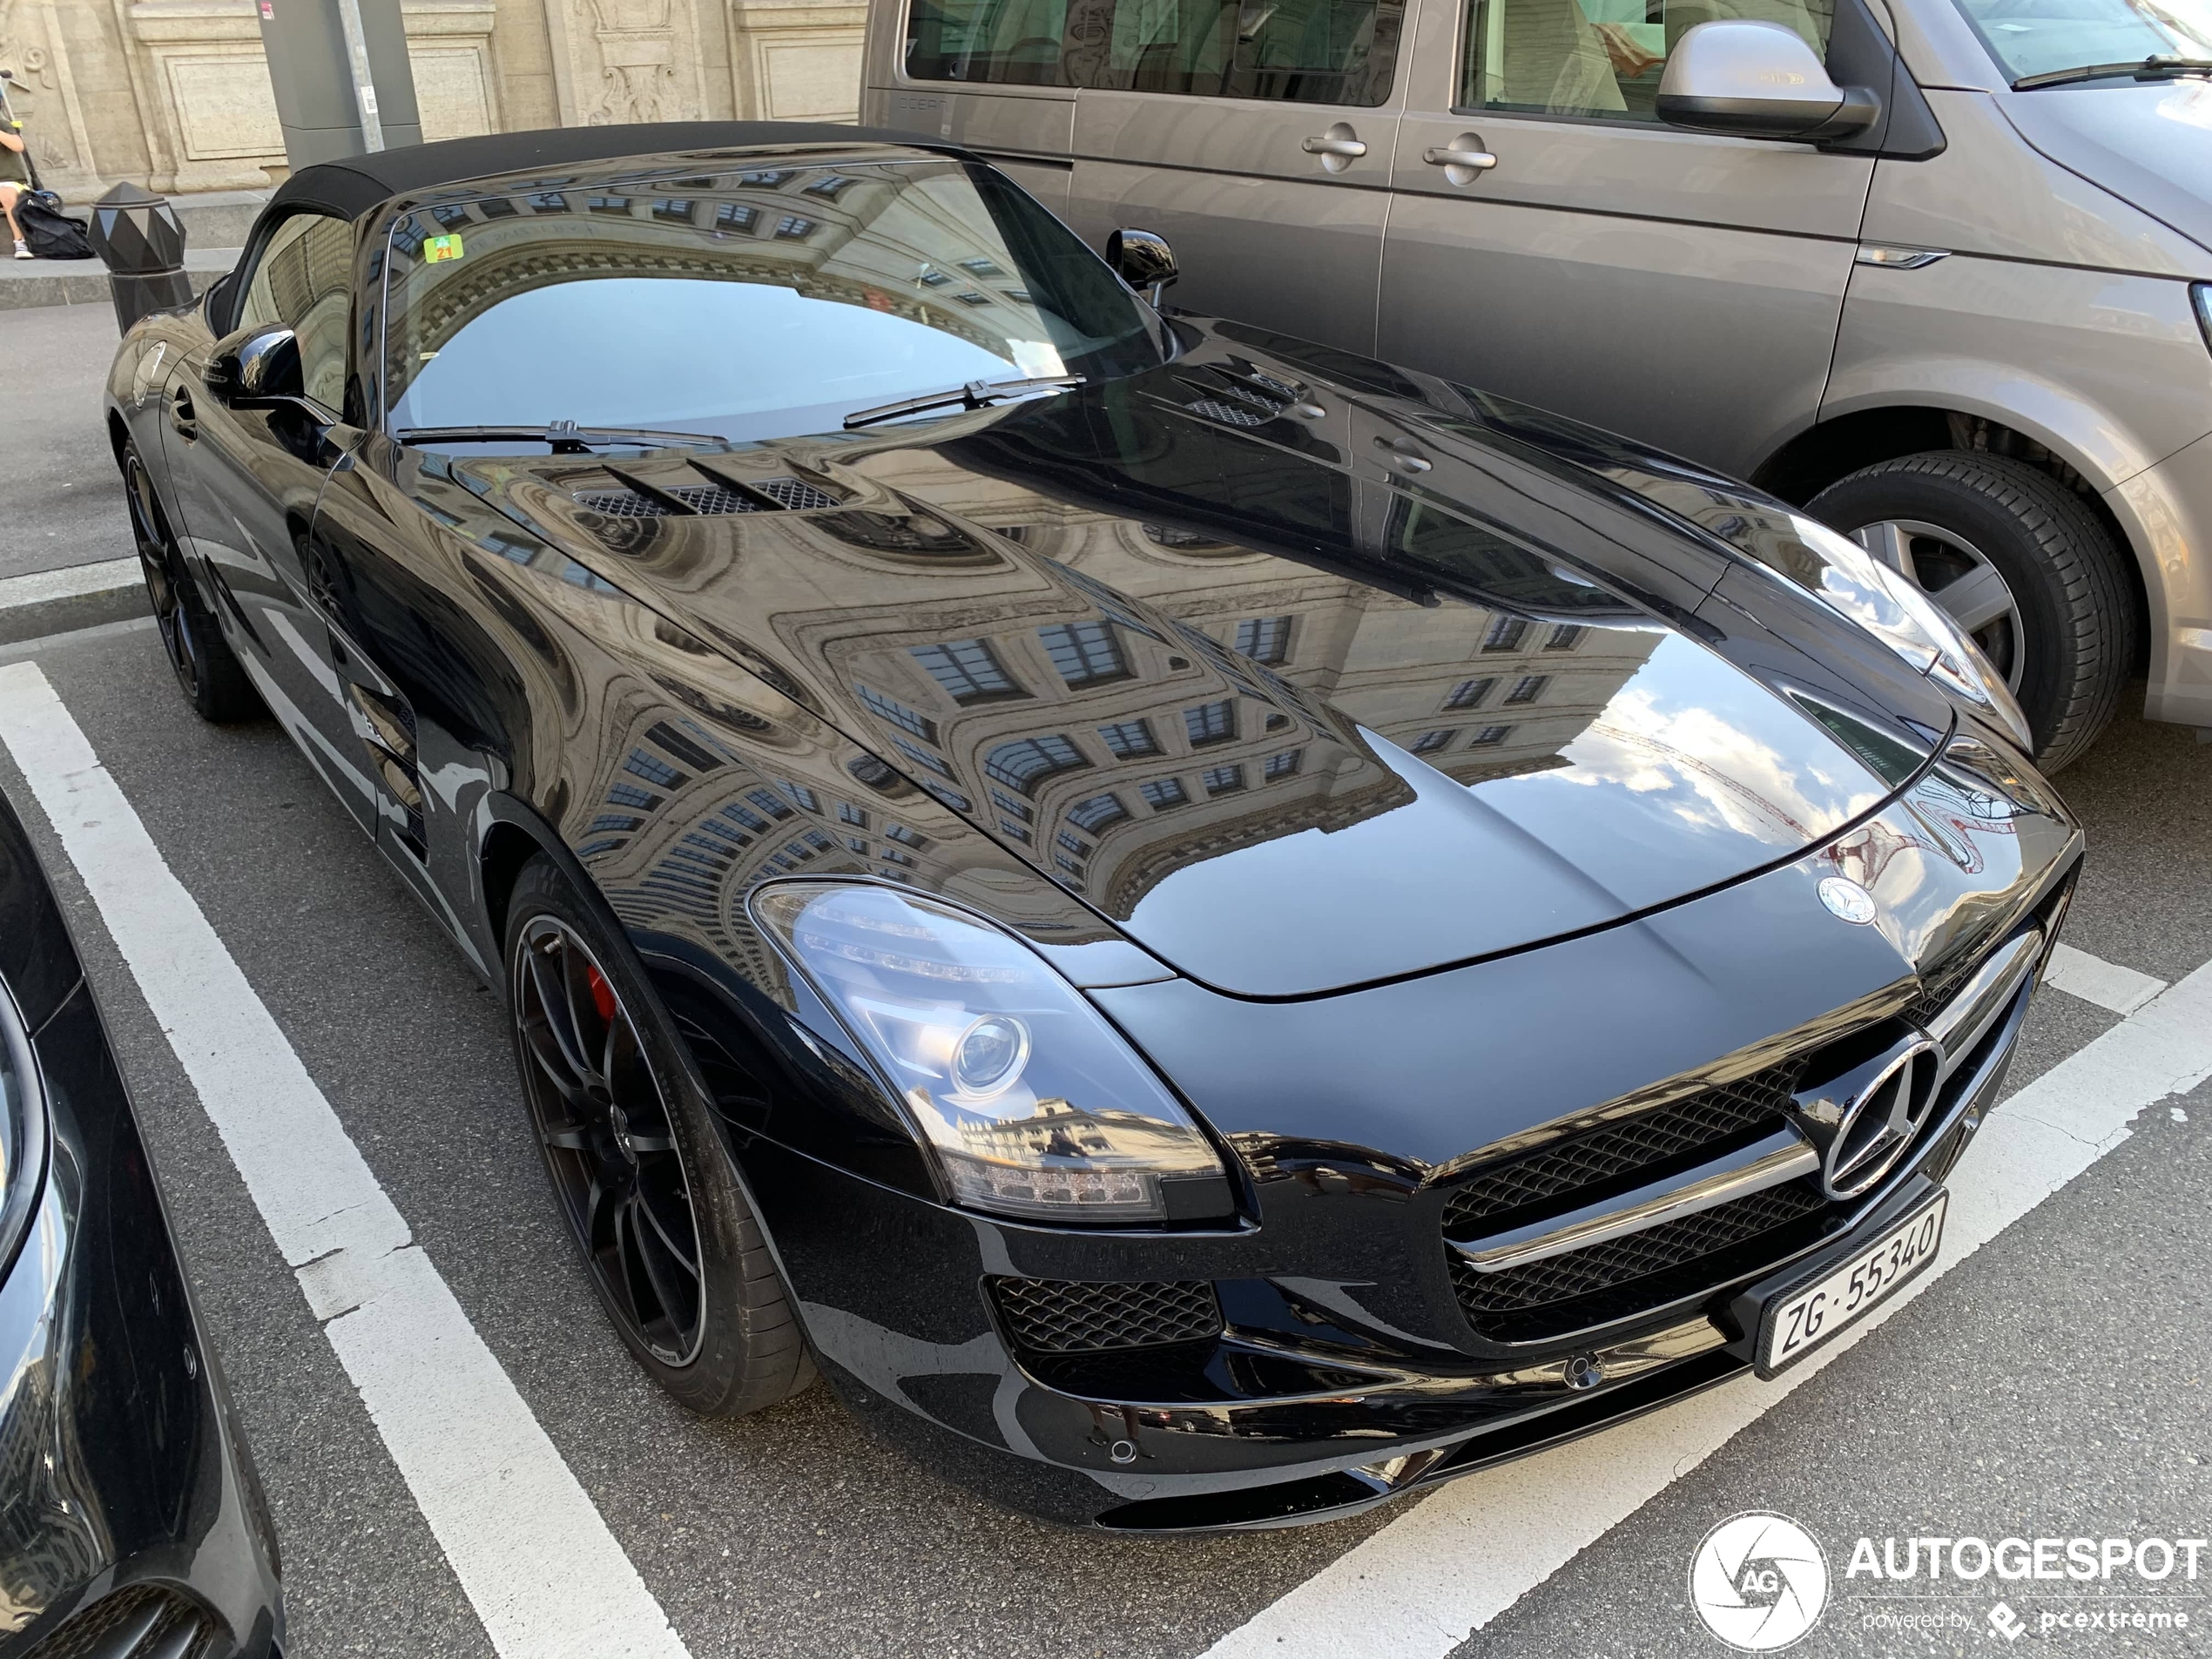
(1215, 931)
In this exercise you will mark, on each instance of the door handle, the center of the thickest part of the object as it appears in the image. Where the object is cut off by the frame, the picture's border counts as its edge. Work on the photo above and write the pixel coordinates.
(1338, 147)
(1462, 159)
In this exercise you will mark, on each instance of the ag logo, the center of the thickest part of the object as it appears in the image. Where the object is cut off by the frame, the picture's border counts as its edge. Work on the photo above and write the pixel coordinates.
(1759, 1582)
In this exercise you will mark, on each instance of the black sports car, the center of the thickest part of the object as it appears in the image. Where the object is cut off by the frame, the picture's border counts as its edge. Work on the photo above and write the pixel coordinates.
(131, 1524)
(1214, 929)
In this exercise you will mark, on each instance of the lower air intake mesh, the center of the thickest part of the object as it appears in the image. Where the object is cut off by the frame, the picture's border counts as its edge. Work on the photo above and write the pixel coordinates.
(138, 1622)
(1075, 1316)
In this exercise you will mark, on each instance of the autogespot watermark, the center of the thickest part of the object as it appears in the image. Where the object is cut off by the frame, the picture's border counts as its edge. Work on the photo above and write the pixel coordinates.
(1761, 1582)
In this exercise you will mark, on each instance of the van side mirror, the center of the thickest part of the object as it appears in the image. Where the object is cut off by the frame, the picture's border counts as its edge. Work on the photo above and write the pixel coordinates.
(258, 368)
(1758, 80)
(1144, 260)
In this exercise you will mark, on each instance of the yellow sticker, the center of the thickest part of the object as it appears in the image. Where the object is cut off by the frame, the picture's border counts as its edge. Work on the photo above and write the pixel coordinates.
(440, 248)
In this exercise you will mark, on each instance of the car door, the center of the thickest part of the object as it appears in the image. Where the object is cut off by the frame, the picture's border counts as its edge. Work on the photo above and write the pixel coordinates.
(991, 77)
(248, 477)
(1681, 288)
(1255, 136)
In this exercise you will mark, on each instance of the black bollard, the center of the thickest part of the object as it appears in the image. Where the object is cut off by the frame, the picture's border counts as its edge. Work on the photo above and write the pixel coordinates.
(138, 238)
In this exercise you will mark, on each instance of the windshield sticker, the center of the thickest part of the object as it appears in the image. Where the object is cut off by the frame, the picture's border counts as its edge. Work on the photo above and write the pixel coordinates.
(441, 248)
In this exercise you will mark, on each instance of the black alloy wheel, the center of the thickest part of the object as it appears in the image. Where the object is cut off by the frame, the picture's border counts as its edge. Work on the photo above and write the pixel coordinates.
(2021, 564)
(207, 671)
(647, 1189)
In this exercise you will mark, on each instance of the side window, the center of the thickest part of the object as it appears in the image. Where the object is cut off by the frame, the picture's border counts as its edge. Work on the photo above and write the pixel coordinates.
(1298, 51)
(303, 282)
(1600, 58)
(1292, 51)
(1014, 43)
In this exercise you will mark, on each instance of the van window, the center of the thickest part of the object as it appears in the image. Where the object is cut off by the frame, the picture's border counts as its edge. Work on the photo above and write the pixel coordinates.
(1294, 52)
(1298, 51)
(2050, 36)
(1013, 42)
(1599, 57)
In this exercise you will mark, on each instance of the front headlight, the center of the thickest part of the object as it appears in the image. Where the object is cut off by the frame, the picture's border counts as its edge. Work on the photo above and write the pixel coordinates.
(1034, 1104)
(1859, 586)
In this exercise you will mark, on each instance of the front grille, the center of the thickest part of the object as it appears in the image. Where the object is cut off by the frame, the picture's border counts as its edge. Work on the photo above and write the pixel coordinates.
(140, 1622)
(621, 504)
(796, 497)
(1623, 1276)
(1212, 408)
(1627, 1147)
(710, 500)
(1076, 1315)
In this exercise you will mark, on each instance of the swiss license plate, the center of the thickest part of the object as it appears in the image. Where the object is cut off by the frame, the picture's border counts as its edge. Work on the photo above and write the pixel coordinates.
(1798, 1321)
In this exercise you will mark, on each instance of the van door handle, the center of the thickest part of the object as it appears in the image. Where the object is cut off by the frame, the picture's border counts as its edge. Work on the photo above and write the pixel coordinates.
(1462, 159)
(1351, 149)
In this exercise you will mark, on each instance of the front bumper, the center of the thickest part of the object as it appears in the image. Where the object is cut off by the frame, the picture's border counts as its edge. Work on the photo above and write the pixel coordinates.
(1346, 1369)
(132, 1513)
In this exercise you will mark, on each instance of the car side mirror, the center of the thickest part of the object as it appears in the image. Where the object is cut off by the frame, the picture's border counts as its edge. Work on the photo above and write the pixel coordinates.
(1144, 260)
(258, 368)
(1758, 80)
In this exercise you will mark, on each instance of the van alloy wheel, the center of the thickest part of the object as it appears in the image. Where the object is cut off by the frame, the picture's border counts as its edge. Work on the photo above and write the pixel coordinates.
(1959, 577)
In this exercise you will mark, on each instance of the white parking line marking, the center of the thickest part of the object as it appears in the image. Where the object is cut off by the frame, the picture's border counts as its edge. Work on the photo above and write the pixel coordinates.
(531, 1551)
(1425, 1583)
(2094, 980)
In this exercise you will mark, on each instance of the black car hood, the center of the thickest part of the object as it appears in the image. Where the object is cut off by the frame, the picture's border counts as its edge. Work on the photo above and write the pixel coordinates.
(1289, 726)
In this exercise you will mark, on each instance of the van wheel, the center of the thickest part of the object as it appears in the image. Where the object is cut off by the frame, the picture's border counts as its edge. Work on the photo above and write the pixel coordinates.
(2021, 564)
(206, 670)
(671, 1247)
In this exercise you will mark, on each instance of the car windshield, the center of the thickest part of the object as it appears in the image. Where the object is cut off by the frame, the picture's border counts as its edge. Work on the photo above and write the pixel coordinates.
(766, 303)
(2030, 38)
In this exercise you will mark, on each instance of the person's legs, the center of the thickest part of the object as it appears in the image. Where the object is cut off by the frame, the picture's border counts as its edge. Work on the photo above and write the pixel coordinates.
(8, 194)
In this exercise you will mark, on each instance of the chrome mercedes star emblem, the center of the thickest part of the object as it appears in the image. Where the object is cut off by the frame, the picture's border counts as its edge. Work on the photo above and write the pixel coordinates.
(1846, 899)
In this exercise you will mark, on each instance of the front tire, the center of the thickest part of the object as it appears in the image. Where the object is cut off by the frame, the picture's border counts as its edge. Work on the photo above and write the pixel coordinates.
(208, 672)
(2020, 562)
(674, 1252)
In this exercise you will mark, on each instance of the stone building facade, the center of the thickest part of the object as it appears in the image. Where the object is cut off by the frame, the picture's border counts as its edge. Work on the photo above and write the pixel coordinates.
(176, 94)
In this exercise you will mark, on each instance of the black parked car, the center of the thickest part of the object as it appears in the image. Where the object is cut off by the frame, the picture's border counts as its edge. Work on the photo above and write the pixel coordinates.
(1216, 930)
(131, 1524)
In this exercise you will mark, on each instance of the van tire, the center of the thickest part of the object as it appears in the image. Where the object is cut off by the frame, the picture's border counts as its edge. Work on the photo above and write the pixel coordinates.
(2077, 613)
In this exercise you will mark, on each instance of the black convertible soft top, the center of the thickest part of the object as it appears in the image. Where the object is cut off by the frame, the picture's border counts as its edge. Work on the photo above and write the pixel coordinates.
(360, 184)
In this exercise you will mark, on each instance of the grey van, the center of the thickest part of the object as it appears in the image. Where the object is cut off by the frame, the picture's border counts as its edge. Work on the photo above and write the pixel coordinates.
(1936, 267)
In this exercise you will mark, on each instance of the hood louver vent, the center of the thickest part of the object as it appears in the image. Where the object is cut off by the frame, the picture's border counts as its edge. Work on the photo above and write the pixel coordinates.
(720, 496)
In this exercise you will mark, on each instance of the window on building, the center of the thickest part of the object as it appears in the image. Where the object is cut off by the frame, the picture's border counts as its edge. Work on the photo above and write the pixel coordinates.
(1468, 694)
(1488, 736)
(801, 795)
(849, 814)
(900, 832)
(549, 201)
(1265, 639)
(892, 855)
(1007, 803)
(857, 845)
(736, 216)
(652, 769)
(794, 227)
(767, 803)
(922, 757)
(967, 671)
(1019, 832)
(738, 815)
(1084, 653)
(890, 708)
(1430, 742)
(1072, 843)
(678, 208)
(1211, 722)
(1096, 811)
(1284, 764)
(1027, 762)
(1505, 634)
(767, 178)
(1221, 780)
(1163, 792)
(1069, 864)
(1529, 688)
(1129, 739)
(829, 184)
(1565, 637)
(607, 821)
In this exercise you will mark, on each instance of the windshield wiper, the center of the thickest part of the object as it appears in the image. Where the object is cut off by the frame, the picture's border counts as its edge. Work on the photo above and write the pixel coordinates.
(976, 394)
(566, 437)
(2154, 68)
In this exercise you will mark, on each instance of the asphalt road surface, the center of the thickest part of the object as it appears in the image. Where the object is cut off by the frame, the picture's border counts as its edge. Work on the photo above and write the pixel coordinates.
(2056, 1382)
